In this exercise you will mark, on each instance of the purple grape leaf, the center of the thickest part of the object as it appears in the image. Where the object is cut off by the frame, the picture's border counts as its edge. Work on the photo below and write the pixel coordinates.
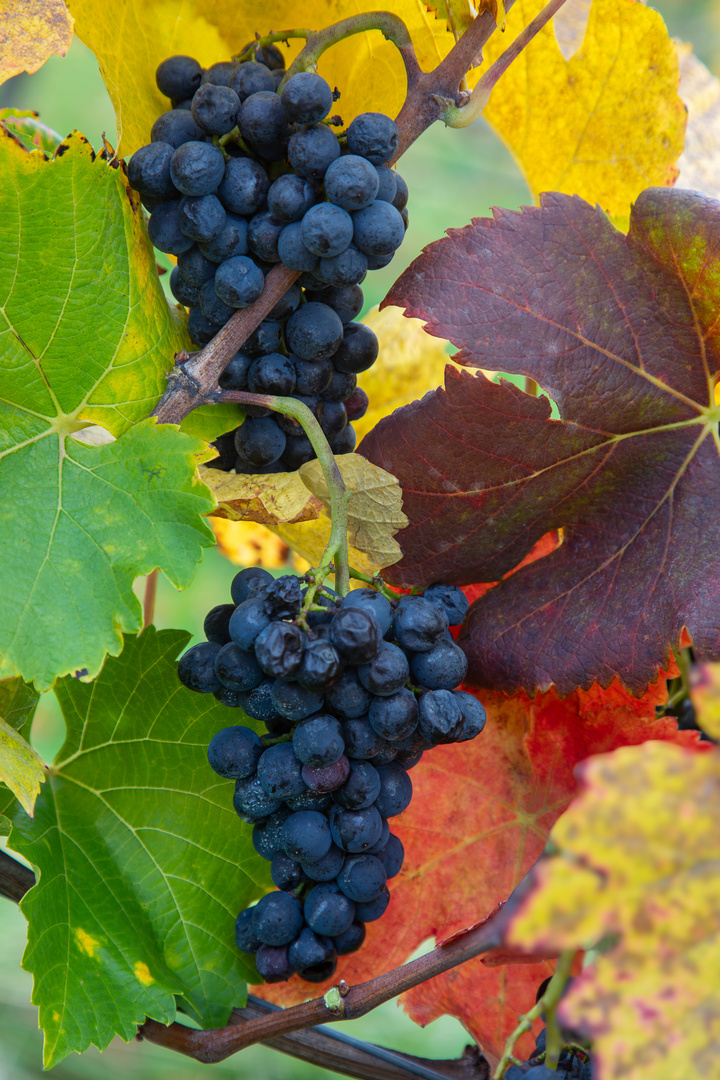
(623, 333)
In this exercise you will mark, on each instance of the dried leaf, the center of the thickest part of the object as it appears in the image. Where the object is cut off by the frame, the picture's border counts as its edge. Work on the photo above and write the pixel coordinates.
(271, 500)
(30, 32)
(646, 868)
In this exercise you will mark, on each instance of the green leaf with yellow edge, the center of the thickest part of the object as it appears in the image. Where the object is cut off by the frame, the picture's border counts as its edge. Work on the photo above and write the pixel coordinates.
(131, 39)
(143, 864)
(31, 32)
(410, 363)
(374, 516)
(271, 499)
(33, 134)
(90, 348)
(639, 858)
(606, 123)
(18, 702)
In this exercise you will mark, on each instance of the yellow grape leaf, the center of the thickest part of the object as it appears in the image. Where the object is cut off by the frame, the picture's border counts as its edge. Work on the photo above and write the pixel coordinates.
(374, 515)
(271, 499)
(603, 125)
(247, 543)
(20, 767)
(30, 32)
(130, 39)
(705, 695)
(640, 859)
(410, 363)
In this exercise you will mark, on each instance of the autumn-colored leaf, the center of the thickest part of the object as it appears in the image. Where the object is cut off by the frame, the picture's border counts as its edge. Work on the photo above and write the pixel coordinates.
(605, 123)
(622, 333)
(699, 163)
(646, 868)
(705, 695)
(246, 543)
(270, 500)
(480, 817)
(30, 32)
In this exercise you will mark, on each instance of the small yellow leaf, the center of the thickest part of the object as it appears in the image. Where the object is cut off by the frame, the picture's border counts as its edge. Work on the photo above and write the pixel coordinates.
(30, 32)
(640, 859)
(247, 543)
(705, 694)
(410, 363)
(270, 500)
(20, 767)
(603, 125)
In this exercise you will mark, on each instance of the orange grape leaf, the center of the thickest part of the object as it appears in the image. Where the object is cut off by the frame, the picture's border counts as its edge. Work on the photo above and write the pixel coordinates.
(30, 32)
(480, 817)
(645, 868)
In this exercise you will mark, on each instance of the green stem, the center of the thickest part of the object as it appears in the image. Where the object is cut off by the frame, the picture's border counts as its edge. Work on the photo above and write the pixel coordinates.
(548, 1003)
(682, 658)
(336, 552)
(271, 39)
(376, 582)
(466, 114)
(389, 25)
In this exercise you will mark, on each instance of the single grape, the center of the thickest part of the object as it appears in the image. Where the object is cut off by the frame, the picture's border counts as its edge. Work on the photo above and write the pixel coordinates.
(326, 229)
(292, 250)
(262, 841)
(373, 136)
(351, 182)
(347, 301)
(279, 772)
(200, 329)
(185, 294)
(195, 268)
(251, 803)
(219, 74)
(266, 338)
(264, 236)
(361, 788)
(258, 704)
(252, 581)
(273, 964)
(378, 229)
(333, 418)
(283, 597)
(178, 76)
(347, 268)
(395, 790)
(286, 304)
(312, 956)
(310, 800)
(149, 171)
(314, 331)
(373, 909)
(451, 598)
(294, 702)
(238, 281)
(362, 878)
(244, 186)
(216, 623)
(358, 351)
(279, 649)
(260, 441)
(286, 874)
(232, 699)
(311, 150)
(201, 217)
(306, 835)
(196, 668)
(387, 672)
(234, 377)
(271, 374)
(418, 624)
(318, 741)
(440, 717)
(277, 918)
(328, 777)
(361, 741)
(250, 78)
(348, 698)
(394, 717)
(215, 109)
(225, 446)
(356, 635)
(442, 668)
(176, 127)
(290, 197)
(311, 377)
(350, 940)
(197, 168)
(344, 443)
(355, 831)
(269, 55)
(261, 118)
(234, 752)
(164, 229)
(374, 603)
(401, 193)
(327, 910)
(340, 387)
(473, 716)
(248, 619)
(321, 666)
(392, 856)
(212, 306)
(306, 98)
(387, 187)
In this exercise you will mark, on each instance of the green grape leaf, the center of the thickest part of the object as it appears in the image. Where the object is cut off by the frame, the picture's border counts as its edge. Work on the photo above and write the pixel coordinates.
(143, 865)
(32, 133)
(18, 702)
(86, 336)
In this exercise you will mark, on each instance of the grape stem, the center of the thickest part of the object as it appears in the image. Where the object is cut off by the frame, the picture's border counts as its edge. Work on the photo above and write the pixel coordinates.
(336, 552)
(271, 39)
(547, 1004)
(376, 582)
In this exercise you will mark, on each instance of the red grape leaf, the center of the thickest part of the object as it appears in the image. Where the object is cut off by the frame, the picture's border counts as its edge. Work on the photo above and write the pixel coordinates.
(622, 332)
(479, 819)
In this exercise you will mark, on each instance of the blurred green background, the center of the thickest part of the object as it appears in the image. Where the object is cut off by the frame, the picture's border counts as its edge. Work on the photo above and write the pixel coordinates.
(452, 175)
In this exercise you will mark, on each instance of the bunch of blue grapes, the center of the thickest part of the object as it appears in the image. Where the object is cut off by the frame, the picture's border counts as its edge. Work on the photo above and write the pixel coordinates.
(351, 692)
(574, 1064)
(240, 176)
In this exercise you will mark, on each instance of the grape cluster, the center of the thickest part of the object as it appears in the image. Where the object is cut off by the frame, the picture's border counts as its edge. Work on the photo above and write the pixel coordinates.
(352, 692)
(574, 1064)
(240, 176)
